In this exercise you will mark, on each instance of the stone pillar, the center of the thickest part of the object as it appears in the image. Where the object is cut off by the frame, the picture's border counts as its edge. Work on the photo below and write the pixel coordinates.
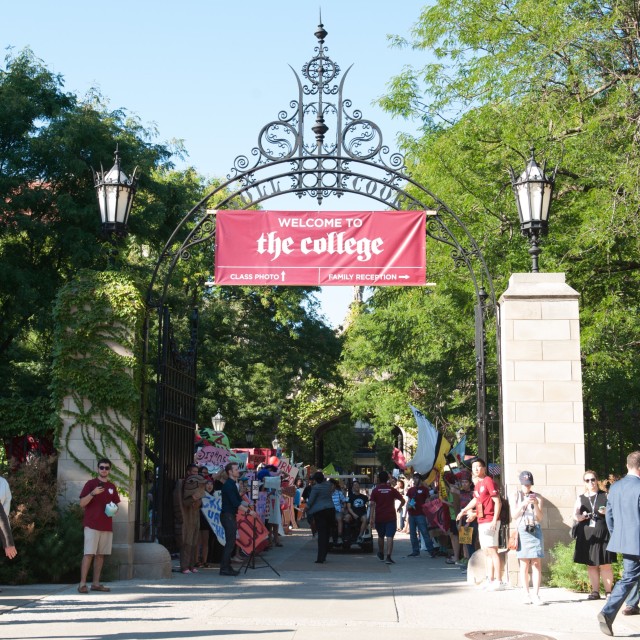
(71, 479)
(96, 385)
(543, 430)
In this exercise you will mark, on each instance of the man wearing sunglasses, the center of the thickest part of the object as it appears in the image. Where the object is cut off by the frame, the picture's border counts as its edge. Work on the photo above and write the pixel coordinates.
(96, 494)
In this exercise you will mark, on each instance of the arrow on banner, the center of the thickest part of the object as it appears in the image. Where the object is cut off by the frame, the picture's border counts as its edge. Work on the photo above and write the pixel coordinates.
(403, 277)
(283, 275)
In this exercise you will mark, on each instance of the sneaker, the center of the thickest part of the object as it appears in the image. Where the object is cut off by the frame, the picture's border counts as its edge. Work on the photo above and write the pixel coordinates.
(535, 599)
(433, 554)
(380, 557)
(526, 598)
(186, 571)
(450, 561)
(413, 554)
(462, 562)
(360, 539)
(486, 584)
(495, 585)
(389, 560)
(194, 570)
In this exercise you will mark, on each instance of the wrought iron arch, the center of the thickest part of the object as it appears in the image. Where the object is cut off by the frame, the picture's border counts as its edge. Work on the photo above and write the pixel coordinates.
(324, 147)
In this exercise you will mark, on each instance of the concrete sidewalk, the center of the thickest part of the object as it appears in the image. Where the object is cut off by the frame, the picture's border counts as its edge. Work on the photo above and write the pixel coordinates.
(350, 595)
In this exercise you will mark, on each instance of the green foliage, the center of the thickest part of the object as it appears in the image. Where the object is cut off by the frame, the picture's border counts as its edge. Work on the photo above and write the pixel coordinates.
(340, 443)
(20, 416)
(257, 350)
(567, 574)
(94, 312)
(48, 539)
(562, 76)
(314, 403)
(412, 346)
(49, 220)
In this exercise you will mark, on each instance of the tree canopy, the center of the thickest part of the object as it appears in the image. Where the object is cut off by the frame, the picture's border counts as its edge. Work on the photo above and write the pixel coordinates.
(499, 78)
(257, 345)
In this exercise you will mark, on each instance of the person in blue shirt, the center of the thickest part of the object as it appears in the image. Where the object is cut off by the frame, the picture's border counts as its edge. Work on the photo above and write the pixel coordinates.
(231, 503)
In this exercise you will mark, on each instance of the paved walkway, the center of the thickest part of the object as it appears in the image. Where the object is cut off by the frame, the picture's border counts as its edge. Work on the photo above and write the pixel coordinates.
(352, 596)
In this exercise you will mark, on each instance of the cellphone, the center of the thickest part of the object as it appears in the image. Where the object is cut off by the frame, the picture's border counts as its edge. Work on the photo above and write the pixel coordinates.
(531, 494)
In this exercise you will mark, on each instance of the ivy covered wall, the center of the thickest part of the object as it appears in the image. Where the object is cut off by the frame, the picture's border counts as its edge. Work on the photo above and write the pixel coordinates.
(97, 370)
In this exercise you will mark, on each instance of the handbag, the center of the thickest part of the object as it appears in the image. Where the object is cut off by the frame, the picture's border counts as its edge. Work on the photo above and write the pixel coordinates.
(574, 530)
(513, 540)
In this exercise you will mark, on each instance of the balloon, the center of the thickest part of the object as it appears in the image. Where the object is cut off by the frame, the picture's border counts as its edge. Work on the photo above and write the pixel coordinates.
(274, 461)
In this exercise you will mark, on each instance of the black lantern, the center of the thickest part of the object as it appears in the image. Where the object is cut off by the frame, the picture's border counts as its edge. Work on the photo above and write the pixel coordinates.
(249, 435)
(115, 196)
(218, 422)
(533, 190)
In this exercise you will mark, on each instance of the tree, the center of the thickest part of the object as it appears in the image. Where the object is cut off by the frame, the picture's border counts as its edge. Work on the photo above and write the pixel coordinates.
(49, 222)
(562, 76)
(259, 348)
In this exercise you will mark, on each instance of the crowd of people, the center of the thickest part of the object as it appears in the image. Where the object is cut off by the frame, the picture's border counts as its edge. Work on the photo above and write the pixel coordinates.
(452, 517)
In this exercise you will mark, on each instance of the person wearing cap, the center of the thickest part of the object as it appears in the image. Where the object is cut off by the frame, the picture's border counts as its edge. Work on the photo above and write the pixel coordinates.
(527, 516)
(320, 506)
(487, 504)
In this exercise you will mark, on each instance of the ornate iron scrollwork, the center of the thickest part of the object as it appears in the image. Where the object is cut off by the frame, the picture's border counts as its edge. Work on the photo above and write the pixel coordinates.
(320, 136)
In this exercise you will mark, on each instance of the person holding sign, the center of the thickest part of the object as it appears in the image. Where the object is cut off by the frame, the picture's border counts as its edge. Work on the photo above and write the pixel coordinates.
(231, 503)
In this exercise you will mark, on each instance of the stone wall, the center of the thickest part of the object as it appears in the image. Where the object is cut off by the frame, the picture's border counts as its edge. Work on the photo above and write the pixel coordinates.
(543, 430)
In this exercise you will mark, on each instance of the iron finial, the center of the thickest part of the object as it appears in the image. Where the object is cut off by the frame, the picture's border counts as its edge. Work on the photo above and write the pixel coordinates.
(321, 33)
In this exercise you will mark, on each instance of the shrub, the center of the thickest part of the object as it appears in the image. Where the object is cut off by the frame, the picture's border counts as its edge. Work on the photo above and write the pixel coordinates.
(565, 573)
(48, 539)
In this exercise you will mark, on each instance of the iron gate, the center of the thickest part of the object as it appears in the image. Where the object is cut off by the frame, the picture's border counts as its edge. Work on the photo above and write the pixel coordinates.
(323, 148)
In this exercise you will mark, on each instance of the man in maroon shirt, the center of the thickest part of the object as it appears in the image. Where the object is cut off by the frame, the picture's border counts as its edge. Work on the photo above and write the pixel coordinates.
(383, 514)
(96, 494)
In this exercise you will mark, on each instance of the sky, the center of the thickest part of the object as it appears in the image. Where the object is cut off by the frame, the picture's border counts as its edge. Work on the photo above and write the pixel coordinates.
(213, 73)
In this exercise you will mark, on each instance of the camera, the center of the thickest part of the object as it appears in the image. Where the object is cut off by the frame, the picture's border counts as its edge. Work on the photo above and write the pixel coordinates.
(529, 528)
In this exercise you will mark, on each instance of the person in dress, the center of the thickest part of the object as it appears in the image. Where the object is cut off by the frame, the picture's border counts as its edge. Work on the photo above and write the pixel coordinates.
(592, 536)
(527, 516)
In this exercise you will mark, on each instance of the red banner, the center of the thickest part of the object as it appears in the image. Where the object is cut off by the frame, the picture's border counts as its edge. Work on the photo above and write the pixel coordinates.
(320, 248)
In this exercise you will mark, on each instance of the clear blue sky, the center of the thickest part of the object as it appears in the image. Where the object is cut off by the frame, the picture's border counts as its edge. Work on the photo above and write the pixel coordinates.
(212, 73)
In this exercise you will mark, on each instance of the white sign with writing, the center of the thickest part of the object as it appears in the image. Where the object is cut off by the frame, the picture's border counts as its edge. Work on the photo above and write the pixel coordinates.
(211, 507)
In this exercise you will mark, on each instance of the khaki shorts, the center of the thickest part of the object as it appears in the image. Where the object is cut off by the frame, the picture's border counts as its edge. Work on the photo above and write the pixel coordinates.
(487, 537)
(97, 543)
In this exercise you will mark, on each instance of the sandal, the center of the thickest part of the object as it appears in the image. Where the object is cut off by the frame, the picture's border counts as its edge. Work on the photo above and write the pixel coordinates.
(594, 595)
(100, 587)
(83, 589)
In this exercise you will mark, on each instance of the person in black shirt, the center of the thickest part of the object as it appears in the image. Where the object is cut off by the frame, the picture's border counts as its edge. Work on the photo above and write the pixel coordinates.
(231, 502)
(357, 508)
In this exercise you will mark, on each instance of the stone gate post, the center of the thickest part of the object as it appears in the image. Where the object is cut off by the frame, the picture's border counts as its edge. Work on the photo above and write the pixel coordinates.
(96, 389)
(543, 429)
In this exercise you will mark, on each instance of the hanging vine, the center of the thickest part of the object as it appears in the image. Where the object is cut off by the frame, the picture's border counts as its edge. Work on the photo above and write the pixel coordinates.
(96, 375)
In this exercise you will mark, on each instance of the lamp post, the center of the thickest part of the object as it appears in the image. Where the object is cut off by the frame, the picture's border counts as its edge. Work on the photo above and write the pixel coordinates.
(218, 422)
(533, 190)
(115, 196)
(249, 435)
